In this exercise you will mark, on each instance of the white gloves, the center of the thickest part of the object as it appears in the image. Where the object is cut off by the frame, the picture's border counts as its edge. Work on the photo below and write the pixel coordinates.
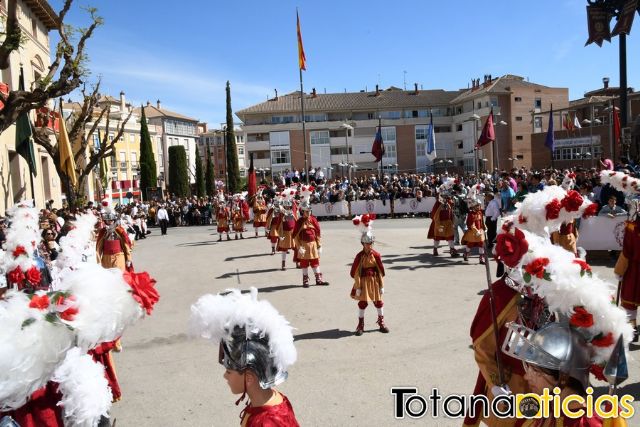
(128, 264)
(358, 292)
(320, 250)
(301, 251)
(381, 291)
(497, 390)
(619, 278)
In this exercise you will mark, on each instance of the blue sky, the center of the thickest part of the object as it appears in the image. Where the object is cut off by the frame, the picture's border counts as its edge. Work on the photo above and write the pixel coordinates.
(183, 52)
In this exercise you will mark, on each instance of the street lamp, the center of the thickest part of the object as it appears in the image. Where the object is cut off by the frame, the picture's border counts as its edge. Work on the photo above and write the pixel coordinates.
(347, 127)
(496, 148)
(475, 119)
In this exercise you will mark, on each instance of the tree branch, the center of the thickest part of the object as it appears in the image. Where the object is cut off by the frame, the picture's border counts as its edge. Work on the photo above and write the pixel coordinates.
(12, 36)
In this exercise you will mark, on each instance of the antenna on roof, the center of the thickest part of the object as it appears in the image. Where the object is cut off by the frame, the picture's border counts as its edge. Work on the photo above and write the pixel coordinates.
(404, 79)
(325, 90)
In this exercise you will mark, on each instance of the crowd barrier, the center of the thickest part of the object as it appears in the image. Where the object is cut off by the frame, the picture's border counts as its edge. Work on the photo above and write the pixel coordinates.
(330, 209)
(360, 207)
(413, 206)
(602, 233)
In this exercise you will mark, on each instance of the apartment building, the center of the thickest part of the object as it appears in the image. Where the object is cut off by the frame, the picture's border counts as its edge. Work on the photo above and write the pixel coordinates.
(176, 129)
(341, 127)
(123, 168)
(215, 139)
(584, 145)
(36, 19)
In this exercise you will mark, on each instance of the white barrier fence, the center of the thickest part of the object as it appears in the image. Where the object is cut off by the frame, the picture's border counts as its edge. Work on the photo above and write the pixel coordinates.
(602, 233)
(413, 206)
(330, 209)
(360, 207)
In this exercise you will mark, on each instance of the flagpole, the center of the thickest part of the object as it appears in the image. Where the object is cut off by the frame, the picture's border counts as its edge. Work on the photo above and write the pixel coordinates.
(381, 157)
(33, 193)
(304, 130)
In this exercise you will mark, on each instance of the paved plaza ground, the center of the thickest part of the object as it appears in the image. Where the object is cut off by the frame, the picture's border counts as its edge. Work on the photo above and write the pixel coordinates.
(170, 379)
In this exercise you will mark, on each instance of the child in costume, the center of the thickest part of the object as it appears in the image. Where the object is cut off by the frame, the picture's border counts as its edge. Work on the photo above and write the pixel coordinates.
(306, 237)
(474, 236)
(285, 231)
(274, 218)
(441, 227)
(368, 272)
(222, 218)
(259, 213)
(255, 347)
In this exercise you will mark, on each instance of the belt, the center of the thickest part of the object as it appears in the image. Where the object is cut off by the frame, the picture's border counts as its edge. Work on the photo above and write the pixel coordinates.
(368, 272)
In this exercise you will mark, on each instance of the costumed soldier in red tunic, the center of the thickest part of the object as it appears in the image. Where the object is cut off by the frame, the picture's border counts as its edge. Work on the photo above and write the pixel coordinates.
(259, 213)
(627, 268)
(113, 246)
(274, 219)
(306, 236)
(474, 236)
(238, 220)
(567, 237)
(222, 218)
(368, 273)
(285, 230)
(255, 347)
(441, 227)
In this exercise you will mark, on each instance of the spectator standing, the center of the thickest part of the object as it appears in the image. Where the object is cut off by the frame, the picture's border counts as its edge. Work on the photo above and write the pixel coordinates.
(162, 218)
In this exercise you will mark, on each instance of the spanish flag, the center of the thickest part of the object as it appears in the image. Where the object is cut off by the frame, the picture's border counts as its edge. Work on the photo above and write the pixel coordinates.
(67, 161)
(302, 60)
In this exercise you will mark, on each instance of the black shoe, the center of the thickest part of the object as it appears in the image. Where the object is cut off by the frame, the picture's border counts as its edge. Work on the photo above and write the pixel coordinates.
(636, 335)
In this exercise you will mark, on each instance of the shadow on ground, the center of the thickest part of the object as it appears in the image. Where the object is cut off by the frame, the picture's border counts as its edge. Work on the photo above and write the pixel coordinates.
(240, 273)
(231, 258)
(329, 334)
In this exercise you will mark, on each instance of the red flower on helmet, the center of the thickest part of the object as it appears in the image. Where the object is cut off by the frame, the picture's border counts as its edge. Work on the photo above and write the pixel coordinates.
(510, 248)
(356, 221)
(33, 276)
(522, 219)
(16, 276)
(372, 216)
(591, 210)
(19, 250)
(536, 267)
(603, 340)
(553, 209)
(581, 318)
(142, 287)
(41, 302)
(584, 267)
(67, 308)
(572, 201)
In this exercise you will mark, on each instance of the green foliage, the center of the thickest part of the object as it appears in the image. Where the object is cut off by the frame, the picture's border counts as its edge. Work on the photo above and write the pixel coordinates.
(233, 170)
(200, 184)
(210, 177)
(148, 172)
(178, 175)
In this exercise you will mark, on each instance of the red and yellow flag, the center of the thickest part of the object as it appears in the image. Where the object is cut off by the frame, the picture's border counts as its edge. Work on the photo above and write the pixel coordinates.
(302, 60)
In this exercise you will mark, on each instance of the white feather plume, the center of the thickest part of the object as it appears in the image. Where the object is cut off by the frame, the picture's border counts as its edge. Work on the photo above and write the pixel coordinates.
(104, 301)
(78, 245)
(621, 182)
(86, 395)
(24, 232)
(214, 316)
(29, 352)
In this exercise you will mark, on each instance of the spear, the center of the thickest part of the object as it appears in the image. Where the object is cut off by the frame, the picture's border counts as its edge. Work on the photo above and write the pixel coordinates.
(616, 372)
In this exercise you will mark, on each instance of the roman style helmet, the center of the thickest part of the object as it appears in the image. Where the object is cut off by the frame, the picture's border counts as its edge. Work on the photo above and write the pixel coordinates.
(250, 334)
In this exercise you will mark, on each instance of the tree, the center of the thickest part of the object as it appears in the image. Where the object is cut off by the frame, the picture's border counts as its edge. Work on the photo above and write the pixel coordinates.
(209, 175)
(200, 184)
(233, 170)
(178, 175)
(87, 157)
(148, 173)
(68, 64)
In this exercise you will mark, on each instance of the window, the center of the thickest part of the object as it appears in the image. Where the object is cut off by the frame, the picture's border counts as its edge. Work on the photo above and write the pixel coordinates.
(421, 149)
(518, 118)
(459, 127)
(240, 151)
(460, 145)
(34, 27)
(389, 134)
(280, 157)
(494, 101)
(114, 162)
(178, 127)
(132, 138)
(422, 132)
(134, 160)
(441, 129)
(319, 137)
(538, 103)
(370, 116)
(275, 120)
(96, 141)
(279, 139)
(537, 122)
(517, 99)
(315, 118)
(413, 114)
(389, 151)
(519, 137)
(566, 154)
(390, 115)
(340, 151)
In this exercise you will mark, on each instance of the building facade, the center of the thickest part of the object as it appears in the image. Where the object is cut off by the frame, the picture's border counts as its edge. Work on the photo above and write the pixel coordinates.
(215, 139)
(340, 128)
(36, 19)
(175, 129)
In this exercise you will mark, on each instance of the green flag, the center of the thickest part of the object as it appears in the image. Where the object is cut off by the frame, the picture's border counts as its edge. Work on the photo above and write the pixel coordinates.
(24, 147)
